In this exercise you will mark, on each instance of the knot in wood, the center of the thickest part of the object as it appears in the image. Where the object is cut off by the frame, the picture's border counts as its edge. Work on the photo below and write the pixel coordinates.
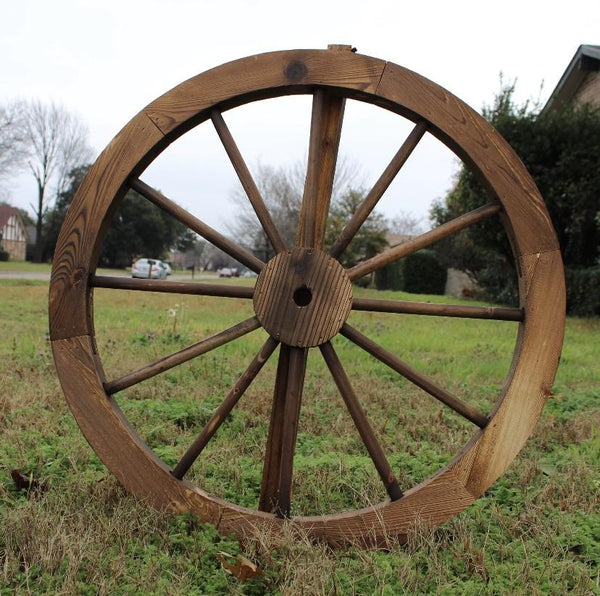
(295, 71)
(303, 297)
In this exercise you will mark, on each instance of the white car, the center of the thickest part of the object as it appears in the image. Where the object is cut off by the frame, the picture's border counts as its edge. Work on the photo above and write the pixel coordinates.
(149, 269)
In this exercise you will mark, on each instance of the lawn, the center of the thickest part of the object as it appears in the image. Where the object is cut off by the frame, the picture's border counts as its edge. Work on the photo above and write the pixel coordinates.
(536, 531)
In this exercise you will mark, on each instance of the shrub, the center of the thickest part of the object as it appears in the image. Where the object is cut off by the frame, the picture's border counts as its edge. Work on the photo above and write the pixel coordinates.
(4, 256)
(583, 291)
(418, 273)
(390, 277)
(424, 274)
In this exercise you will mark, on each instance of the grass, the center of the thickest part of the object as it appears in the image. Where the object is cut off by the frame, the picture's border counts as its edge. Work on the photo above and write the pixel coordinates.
(536, 531)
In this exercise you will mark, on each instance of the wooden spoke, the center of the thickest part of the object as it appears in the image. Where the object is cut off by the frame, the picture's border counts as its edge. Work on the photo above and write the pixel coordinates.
(496, 313)
(225, 408)
(325, 133)
(360, 420)
(231, 248)
(425, 383)
(378, 189)
(269, 488)
(276, 486)
(168, 362)
(305, 294)
(247, 181)
(172, 287)
(406, 248)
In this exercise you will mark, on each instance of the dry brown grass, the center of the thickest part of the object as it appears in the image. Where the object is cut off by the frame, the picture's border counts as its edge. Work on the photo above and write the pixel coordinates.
(536, 531)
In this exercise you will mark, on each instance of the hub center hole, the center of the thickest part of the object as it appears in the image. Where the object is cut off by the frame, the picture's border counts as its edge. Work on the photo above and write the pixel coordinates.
(302, 296)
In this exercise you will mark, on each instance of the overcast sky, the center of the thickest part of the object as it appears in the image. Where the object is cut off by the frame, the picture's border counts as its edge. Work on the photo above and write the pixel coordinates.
(106, 60)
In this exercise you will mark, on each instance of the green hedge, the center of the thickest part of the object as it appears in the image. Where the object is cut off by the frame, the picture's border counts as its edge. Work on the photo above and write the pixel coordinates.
(390, 277)
(4, 256)
(583, 291)
(424, 274)
(418, 273)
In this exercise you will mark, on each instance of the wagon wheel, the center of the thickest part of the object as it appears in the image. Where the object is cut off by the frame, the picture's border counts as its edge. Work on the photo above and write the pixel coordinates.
(303, 295)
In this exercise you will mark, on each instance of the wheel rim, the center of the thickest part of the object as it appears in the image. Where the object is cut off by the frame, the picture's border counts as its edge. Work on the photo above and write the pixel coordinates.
(330, 76)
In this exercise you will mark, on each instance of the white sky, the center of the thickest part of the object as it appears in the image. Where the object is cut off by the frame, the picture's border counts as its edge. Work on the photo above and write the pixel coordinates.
(107, 59)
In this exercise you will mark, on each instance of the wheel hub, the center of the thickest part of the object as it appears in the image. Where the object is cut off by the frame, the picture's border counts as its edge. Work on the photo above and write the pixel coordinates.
(303, 297)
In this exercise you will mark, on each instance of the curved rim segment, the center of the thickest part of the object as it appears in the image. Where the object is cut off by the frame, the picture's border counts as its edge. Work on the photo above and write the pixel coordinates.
(280, 73)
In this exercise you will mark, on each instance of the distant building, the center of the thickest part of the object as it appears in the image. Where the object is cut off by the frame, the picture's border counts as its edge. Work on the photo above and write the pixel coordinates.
(395, 239)
(14, 237)
(580, 82)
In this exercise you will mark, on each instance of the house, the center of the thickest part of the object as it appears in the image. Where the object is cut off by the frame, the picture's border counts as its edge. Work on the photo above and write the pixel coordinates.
(13, 238)
(580, 82)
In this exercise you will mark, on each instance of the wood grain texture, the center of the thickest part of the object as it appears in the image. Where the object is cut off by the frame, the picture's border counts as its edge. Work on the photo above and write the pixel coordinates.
(224, 409)
(376, 192)
(495, 313)
(414, 376)
(302, 297)
(289, 429)
(269, 487)
(247, 182)
(83, 229)
(239, 253)
(190, 288)
(477, 143)
(265, 75)
(338, 73)
(325, 134)
(427, 239)
(361, 422)
(182, 356)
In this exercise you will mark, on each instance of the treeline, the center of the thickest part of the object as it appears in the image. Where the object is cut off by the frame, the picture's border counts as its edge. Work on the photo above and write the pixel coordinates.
(561, 150)
(49, 142)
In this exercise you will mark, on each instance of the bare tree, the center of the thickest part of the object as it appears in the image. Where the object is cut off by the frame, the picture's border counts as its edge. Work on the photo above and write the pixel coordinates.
(406, 224)
(13, 151)
(57, 142)
(281, 189)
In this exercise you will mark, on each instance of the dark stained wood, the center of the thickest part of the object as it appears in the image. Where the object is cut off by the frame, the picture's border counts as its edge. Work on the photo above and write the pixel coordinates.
(497, 313)
(289, 431)
(171, 287)
(224, 409)
(360, 420)
(247, 181)
(378, 189)
(302, 297)
(424, 240)
(325, 134)
(168, 362)
(79, 244)
(269, 488)
(231, 248)
(343, 74)
(420, 380)
(272, 74)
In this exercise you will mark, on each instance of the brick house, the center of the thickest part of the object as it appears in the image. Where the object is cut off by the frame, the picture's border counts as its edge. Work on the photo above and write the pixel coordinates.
(14, 237)
(580, 82)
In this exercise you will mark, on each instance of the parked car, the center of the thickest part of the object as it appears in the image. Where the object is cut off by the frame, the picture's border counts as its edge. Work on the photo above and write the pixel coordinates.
(167, 267)
(226, 272)
(149, 268)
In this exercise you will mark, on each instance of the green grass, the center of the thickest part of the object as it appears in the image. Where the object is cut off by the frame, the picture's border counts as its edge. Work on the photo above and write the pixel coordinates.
(536, 530)
(24, 266)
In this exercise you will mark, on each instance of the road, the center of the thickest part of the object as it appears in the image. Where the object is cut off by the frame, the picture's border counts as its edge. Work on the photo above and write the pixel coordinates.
(43, 276)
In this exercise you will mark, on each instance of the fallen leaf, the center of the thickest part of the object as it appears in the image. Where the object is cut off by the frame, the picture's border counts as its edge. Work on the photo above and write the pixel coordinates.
(27, 483)
(238, 566)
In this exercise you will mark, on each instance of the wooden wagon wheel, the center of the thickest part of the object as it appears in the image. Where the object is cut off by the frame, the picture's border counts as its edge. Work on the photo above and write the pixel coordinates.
(303, 296)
